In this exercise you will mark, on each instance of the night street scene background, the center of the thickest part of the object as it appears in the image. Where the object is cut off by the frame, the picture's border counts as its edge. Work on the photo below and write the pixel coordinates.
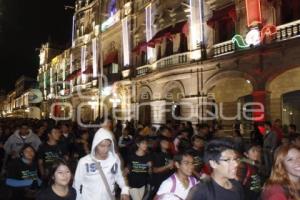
(149, 99)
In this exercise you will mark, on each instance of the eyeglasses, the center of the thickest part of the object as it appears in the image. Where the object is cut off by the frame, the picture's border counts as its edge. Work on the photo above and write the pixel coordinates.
(230, 159)
(187, 163)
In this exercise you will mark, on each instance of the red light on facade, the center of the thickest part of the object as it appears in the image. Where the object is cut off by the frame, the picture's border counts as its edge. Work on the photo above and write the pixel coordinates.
(253, 12)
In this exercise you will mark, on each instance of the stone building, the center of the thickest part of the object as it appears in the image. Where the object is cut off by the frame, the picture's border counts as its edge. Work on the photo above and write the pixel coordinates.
(23, 101)
(179, 60)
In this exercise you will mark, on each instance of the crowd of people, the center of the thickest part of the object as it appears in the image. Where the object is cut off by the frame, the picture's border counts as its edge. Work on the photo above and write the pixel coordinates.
(49, 160)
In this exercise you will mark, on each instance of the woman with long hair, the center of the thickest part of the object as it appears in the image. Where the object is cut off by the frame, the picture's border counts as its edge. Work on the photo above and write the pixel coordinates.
(59, 187)
(284, 182)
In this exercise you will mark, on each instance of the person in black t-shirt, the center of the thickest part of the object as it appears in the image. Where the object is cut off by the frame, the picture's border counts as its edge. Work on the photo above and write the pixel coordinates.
(292, 134)
(197, 151)
(59, 188)
(48, 153)
(250, 174)
(139, 167)
(182, 142)
(163, 164)
(67, 141)
(125, 141)
(22, 177)
(223, 185)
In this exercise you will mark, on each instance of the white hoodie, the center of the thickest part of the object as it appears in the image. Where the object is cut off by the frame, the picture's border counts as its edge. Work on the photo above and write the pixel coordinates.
(88, 182)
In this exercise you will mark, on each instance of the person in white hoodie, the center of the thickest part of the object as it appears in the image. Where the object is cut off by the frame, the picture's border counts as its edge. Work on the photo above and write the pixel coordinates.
(88, 181)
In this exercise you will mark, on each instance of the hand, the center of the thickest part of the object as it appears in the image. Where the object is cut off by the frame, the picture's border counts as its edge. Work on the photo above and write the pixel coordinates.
(126, 171)
(125, 197)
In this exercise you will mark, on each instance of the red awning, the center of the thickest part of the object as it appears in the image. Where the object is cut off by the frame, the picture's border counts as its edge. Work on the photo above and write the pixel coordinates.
(88, 70)
(110, 58)
(142, 46)
(225, 13)
(185, 29)
(181, 27)
(74, 75)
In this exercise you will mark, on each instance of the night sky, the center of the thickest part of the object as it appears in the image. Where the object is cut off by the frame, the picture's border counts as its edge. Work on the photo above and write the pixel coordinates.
(24, 26)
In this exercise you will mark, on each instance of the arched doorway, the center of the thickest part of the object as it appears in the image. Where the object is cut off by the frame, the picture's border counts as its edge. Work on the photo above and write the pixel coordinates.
(230, 94)
(281, 88)
(291, 108)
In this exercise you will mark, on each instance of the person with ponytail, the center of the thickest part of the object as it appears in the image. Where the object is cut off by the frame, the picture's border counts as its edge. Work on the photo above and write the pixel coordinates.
(284, 182)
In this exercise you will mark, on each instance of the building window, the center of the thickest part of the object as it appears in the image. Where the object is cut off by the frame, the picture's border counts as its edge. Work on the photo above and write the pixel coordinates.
(225, 30)
(223, 23)
(169, 47)
(290, 11)
(144, 58)
(114, 68)
(183, 43)
(158, 54)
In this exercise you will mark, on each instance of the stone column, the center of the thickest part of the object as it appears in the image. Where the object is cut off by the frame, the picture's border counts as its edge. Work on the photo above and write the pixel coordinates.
(260, 96)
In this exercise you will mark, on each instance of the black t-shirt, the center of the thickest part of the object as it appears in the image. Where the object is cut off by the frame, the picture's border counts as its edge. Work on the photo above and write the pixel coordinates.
(19, 170)
(198, 159)
(48, 194)
(67, 144)
(139, 168)
(212, 191)
(49, 154)
(252, 181)
(161, 159)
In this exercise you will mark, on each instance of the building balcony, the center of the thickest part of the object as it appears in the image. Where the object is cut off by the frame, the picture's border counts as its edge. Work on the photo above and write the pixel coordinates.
(223, 48)
(170, 61)
(288, 31)
(284, 32)
(143, 70)
(173, 60)
(81, 6)
(84, 39)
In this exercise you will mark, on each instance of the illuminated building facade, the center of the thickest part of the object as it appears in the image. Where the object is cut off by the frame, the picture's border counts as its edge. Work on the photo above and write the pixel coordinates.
(176, 58)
